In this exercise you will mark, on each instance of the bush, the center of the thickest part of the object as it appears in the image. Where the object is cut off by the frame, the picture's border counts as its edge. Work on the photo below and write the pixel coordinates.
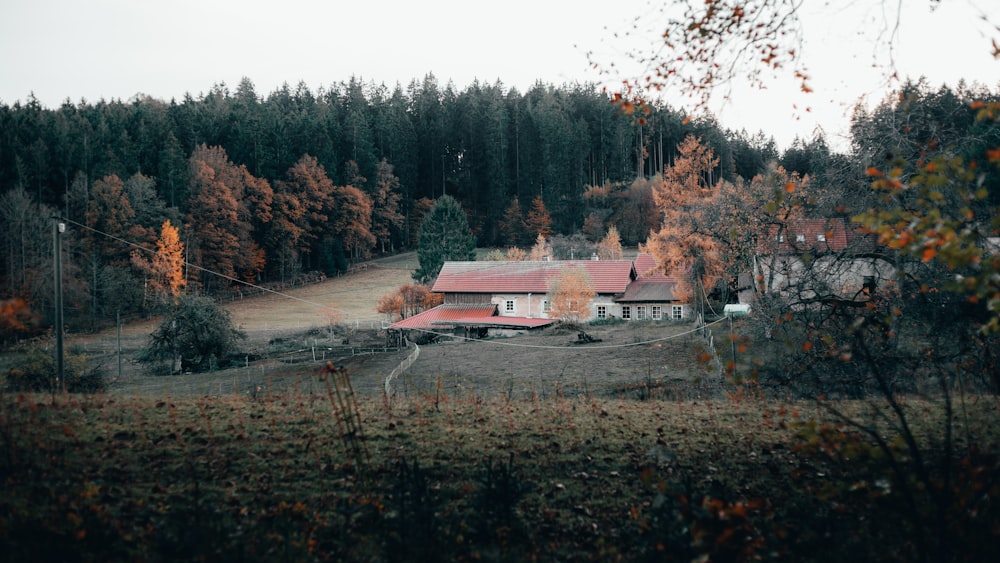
(195, 335)
(36, 371)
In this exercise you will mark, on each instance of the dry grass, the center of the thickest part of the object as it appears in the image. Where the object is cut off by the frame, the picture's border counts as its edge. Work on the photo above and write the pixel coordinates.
(445, 477)
(348, 299)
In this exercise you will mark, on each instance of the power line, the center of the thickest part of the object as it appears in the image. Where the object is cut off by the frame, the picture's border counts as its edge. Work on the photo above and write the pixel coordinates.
(323, 306)
(206, 270)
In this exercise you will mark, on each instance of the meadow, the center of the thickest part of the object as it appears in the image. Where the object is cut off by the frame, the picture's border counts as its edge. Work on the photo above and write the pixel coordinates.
(441, 477)
(301, 462)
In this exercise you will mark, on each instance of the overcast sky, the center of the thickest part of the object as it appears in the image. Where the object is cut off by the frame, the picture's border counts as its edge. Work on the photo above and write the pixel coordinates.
(115, 49)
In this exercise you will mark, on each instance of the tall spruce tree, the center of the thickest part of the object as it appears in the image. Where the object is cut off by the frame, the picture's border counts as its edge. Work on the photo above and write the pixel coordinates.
(444, 235)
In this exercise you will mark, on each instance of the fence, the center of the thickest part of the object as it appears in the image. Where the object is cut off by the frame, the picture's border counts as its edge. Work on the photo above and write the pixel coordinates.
(402, 367)
(702, 328)
(314, 353)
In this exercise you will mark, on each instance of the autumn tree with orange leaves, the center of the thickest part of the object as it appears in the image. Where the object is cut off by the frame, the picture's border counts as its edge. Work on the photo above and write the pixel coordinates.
(539, 221)
(610, 247)
(570, 295)
(165, 268)
(408, 300)
(513, 228)
(684, 246)
(228, 205)
(542, 250)
(387, 220)
(931, 332)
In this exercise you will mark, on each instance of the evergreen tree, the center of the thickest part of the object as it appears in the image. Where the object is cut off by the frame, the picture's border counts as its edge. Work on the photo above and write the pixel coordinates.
(444, 235)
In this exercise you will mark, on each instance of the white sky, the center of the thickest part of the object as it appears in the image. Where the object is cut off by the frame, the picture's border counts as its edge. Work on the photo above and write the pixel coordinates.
(115, 49)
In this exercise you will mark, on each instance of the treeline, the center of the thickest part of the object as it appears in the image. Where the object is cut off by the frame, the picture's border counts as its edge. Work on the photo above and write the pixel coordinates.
(484, 145)
(267, 188)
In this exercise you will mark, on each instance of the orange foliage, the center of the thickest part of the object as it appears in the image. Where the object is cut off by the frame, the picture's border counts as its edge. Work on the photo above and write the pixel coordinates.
(682, 247)
(570, 295)
(515, 254)
(16, 318)
(408, 300)
(539, 221)
(610, 247)
(542, 250)
(166, 268)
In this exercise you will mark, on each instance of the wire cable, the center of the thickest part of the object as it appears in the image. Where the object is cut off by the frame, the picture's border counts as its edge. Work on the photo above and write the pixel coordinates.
(329, 307)
(206, 270)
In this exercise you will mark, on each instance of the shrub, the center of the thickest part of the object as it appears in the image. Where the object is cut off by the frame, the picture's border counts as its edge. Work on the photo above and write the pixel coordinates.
(194, 335)
(36, 371)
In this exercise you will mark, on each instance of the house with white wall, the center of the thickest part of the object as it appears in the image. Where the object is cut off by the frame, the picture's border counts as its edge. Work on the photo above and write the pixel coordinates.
(492, 296)
(820, 259)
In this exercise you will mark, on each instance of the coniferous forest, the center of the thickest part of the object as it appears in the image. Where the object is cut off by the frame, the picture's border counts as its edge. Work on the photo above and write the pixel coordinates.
(268, 188)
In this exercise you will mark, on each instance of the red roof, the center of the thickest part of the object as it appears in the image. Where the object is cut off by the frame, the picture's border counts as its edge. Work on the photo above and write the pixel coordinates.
(446, 314)
(607, 276)
(449, 316)
(817, 235)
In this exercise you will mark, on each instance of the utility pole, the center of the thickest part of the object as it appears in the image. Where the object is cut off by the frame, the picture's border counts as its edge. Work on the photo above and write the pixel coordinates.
(118, 327)
(58, 228)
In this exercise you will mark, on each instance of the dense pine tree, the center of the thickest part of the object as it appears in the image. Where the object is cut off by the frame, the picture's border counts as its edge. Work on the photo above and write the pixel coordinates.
(444, 235)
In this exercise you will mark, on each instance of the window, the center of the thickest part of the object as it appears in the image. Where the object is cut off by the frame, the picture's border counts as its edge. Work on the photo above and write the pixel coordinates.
(657, 312)
(821, 237)
(800, 238)
(626, 312)
(676, 312)
(781, 238)
(602, 311)
(546, 306)
(508, 306)
(640, 313)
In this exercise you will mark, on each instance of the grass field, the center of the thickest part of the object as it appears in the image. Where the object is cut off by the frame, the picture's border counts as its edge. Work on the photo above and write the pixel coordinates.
(518, 449)
(458, 477)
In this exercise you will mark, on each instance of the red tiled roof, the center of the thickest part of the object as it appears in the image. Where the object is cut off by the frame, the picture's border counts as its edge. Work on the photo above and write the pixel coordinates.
(448, 316)
(817, 235)
(607, 276)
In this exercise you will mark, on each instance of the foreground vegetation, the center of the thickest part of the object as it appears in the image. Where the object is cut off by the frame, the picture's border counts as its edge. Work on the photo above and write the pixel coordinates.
(282, 476)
